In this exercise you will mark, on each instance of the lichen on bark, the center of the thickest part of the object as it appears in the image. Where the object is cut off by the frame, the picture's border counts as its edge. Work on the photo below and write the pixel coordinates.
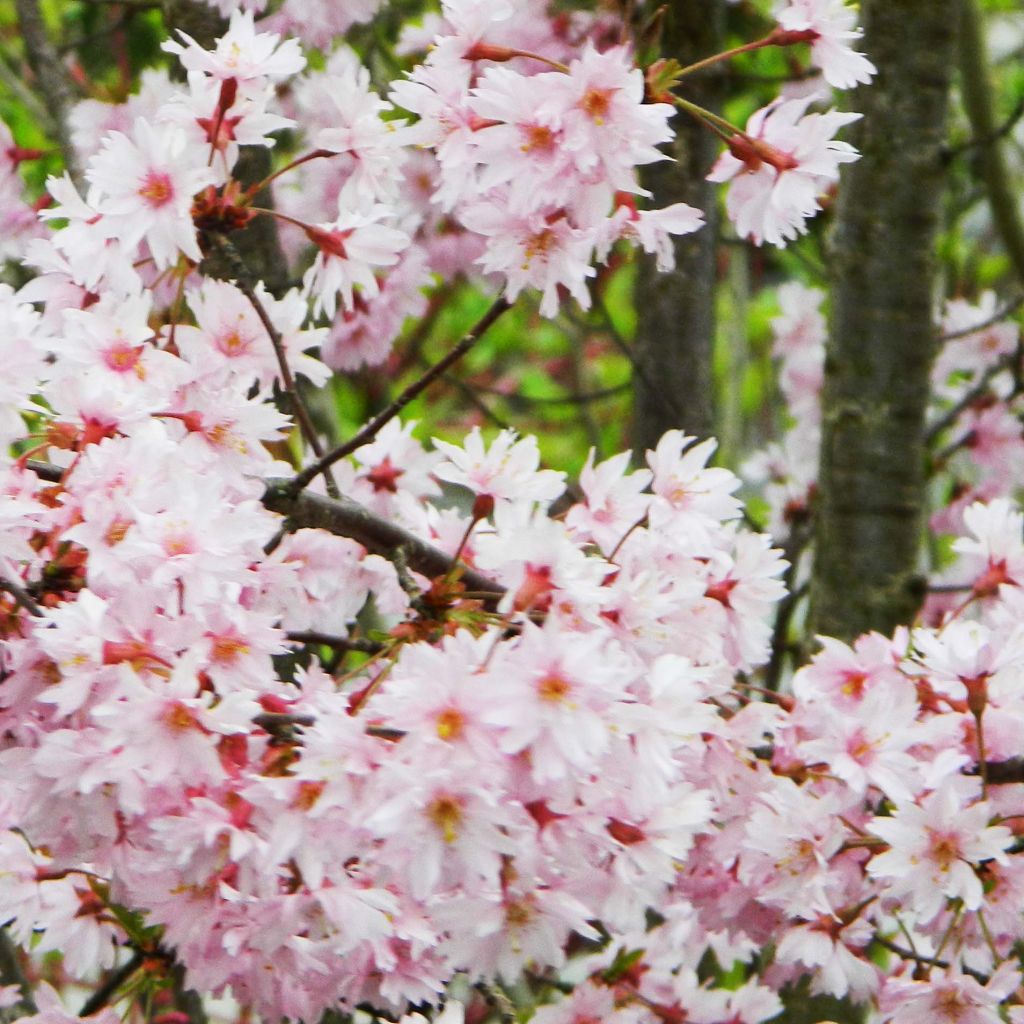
(871, 495)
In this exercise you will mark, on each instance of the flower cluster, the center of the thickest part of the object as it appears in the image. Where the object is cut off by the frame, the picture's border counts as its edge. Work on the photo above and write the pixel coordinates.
(246, 753)
(787, 159)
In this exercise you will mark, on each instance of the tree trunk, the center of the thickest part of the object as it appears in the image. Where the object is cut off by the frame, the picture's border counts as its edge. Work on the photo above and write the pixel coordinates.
(676, 311)
(872, 476)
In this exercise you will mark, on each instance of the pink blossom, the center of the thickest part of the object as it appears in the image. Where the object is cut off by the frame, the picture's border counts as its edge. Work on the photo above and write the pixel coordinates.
(241, 53)
(832, 24)
(935, 849)
(507, 470)
(348, 250)
(147, 183)
(780, 168)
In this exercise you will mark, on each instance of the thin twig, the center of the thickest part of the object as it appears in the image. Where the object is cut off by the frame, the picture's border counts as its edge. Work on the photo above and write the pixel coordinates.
(287, 379)
(951, 415)
(374, 427)
(113, 981)
(620, 341)
(21, 596)
(342, 643)
(468, 391)
(14, 80)
(906, 954)
(1000, 133)
(51, 76)
(793, 549)
(515, 398)
(943, 456)
(1011, 306)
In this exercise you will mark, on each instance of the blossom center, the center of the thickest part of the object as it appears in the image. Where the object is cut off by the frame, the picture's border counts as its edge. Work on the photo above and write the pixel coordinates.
(225, 649)
(518, 913)
(945, 850)
(540, 243)
(122, 357)
(117, 530)
(596, 103)
(232, 343)
(853, 684)
(180, 718)
(157, 189)
(446, 813)
(450, 724)
(554, 688)
(538, 137)
(384, 477)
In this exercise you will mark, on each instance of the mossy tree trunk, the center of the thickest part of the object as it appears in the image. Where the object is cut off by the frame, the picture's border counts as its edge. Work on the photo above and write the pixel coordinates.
(872, 479)
(676, 311)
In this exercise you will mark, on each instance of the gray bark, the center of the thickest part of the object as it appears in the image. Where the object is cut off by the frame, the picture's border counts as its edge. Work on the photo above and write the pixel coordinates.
(872, 479)
(676, 311)
(51, 78)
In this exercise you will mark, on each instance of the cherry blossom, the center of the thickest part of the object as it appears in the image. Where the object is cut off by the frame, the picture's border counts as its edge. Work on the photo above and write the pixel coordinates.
(310, 771)
(780, 167)
(832, 25)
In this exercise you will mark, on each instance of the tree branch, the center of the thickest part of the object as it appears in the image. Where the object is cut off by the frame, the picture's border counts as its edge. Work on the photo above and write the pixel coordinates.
(241, 272)
(341, 643)
(1000, 314)
(347, 518)
(21, 596)
(374, 427)
(113, 981)
(52, 77)
(976, 90)
(951, 415)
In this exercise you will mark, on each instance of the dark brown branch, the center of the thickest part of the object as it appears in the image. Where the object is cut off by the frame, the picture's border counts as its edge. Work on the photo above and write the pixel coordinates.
(347, 518)
(21, 596)
(52, 78)
(1001, 773)
(46, 471)
(374, 427)
(924, 961)
(796, 544)
(113, 981)
(340, 643)
(288, 384)
(274, 722)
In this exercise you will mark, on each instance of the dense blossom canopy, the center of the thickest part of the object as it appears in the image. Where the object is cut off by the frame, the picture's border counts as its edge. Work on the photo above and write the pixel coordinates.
(314, 777)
